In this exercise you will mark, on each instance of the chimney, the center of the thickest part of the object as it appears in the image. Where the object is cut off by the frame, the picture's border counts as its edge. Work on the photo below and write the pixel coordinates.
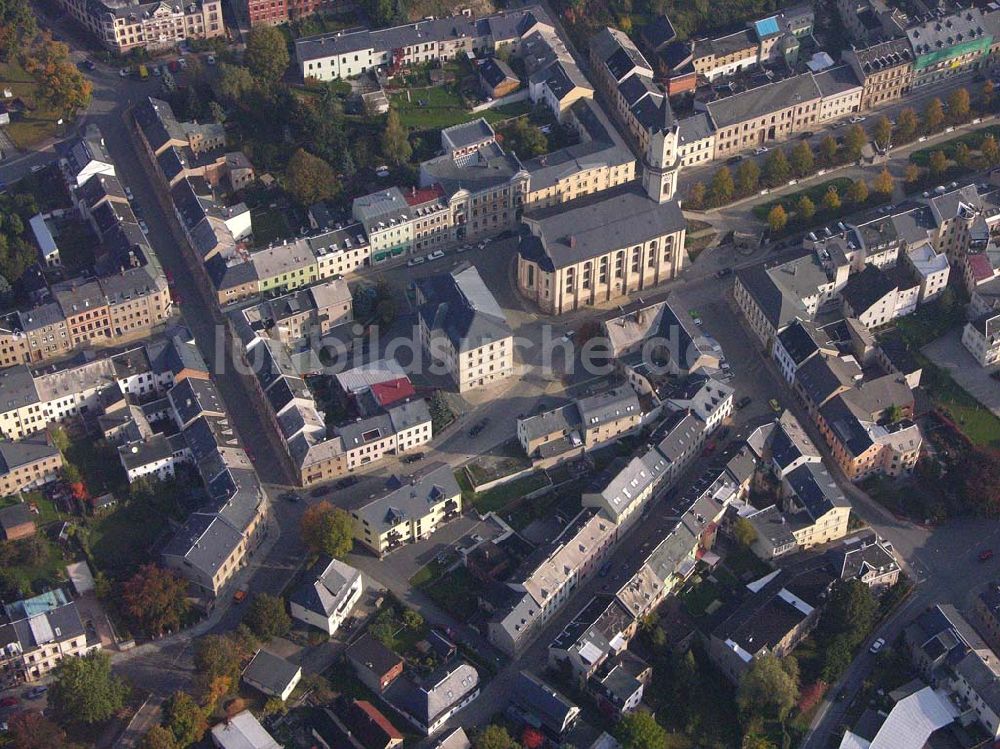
(572, 240)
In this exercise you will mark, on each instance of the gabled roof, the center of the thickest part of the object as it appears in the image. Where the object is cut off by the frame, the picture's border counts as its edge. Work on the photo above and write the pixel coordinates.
(327, 584)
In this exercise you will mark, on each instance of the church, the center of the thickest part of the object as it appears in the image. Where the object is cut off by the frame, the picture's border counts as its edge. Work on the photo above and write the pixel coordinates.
(597, 249)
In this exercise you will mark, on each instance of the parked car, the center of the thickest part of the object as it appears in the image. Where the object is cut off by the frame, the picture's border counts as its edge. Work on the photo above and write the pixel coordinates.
(37, 168)
(775, 406)
(128, 194)
(36, 692)
(436, 255)
(760, 150)
(89, 65)
(479, 427)
(239, 596)
(723, 272)
(143, 227)
(857, 118)
(210, 59)
(419, 259)
(291, 497)
(464, 248)
(320, 491)
(806, 135)
(877, 645)
(985, 555)
(124, 73)
(734, 159)
(346, 482)
(413, 458)
(9, 702)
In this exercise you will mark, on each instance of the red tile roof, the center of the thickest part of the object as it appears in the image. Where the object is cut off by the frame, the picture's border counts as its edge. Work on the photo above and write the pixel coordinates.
(364, 715)
(980, 267)
(423, 195)
(387, 393)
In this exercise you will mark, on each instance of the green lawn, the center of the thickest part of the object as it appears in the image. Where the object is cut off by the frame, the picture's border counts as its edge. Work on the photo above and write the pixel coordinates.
(444, 108)
(975, 420)
(496, 499)
(122, 539)
(815, 194)
(269, 225)
(47, 511)
(928, 323)
(35, 124)
(455, 592)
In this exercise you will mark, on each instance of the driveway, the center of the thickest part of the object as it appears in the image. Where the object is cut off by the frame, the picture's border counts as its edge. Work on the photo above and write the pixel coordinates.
(949, 354)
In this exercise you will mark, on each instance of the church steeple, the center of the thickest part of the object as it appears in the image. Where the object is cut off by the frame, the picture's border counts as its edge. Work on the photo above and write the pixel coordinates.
(661, 164)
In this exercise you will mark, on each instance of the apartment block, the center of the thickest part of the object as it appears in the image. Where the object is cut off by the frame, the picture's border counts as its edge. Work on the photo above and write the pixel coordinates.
(463, 327)
(31, 647)
(121, 26)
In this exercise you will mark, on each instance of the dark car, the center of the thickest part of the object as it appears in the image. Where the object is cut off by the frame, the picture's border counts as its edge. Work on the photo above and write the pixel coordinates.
(9, 702)
(320, 491)
(88, 65)
(346, 482)
(984, 556)
(734, 159)
(480, 426)
(723, 272)
(743, 402)
(291, 497)
(413, 458)
(806, 135)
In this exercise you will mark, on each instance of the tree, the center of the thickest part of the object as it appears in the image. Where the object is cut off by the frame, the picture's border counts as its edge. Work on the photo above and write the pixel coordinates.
(777, 168)
(777, 218)
(266, 54)
(802, 159)
(988, 91)
(857, 193)
(494, 737)
(60, 82)
(158, 737)
(962, 155)
(768, 688)
(217, 663)
(267, 616)
(525, 139)
(233, 83)
(883, 183)
(882, 132)
(744, 532)
(828, 150)
(831, 201)
(327, 530)
(959, 106)
(696, 196)
(395, 143)
(854, 141)
(938, 163)
(851, 610)
(640, 730)
(933, 115)
(10, 586)
(185, 719)
(155, 600)
(906, 125)
(29, 729)
(309, 178)
(980, 480)
(911, 174)
(412, 620)
(86, 690)
(722, 186)
(747, 177)
(380, 12)
(990, 150)
(806, 208)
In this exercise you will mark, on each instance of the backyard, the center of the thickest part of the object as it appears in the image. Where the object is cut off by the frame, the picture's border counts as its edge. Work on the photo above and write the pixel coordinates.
(499, 497)
(35, 123)
(442, 106)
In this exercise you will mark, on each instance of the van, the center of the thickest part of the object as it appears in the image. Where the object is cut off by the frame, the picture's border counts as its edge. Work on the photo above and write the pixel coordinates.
(143, 72)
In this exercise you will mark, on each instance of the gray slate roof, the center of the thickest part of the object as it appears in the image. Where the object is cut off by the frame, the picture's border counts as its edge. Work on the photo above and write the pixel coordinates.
(459, 305)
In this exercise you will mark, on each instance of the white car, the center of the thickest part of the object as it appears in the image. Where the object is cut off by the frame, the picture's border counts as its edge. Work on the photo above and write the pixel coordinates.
(210, 59)
(857, 118)
(949, 129)
(157, 71)
(436, 255)
(877, 645)
(37, 168)
(128, 194)
(415, 261)
(759, 151)
(464, 248)
(143, 227)
(182, 61)
(124, 73)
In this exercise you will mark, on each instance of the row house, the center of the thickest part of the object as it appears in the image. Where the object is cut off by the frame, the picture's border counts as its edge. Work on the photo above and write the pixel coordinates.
(33, 646)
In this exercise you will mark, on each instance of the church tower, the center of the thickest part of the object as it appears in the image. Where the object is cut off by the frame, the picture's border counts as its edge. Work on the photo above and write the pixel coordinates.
(661, 165)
